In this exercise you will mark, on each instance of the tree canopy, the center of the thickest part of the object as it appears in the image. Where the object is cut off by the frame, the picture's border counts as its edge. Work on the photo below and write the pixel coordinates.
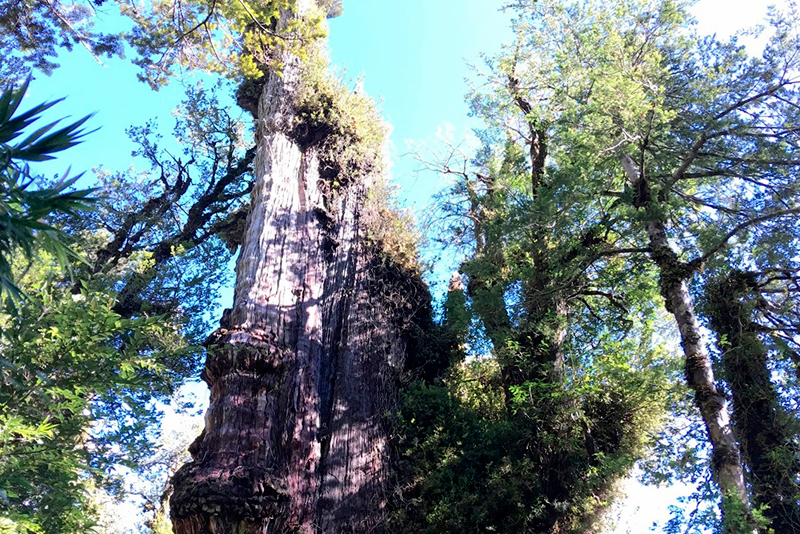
(628, 225)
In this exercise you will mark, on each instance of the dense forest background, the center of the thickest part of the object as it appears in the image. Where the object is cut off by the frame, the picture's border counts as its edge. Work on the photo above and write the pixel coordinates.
(621, 229)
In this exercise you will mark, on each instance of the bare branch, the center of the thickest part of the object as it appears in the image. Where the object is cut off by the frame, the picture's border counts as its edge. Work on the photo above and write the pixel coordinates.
(75, 33)
(613, 299)
(696, 200)
(743, 226)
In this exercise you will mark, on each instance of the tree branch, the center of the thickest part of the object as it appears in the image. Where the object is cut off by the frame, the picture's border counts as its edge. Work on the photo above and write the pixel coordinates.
(742, 226)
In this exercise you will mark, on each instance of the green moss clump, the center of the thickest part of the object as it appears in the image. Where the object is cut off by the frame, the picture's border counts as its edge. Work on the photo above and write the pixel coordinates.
(345, 129)
(391, 228)
(343, 125)
(248, 93)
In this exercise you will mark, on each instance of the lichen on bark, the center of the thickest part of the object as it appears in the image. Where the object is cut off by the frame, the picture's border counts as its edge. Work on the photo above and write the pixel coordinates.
(673, 277)
(767, 433)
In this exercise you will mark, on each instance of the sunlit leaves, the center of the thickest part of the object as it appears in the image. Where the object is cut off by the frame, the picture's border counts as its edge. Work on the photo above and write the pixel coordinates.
(231, 37)
(80, 375)
(75, 380)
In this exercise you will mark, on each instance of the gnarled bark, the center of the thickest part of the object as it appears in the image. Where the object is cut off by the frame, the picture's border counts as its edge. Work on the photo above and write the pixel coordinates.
(303, 369)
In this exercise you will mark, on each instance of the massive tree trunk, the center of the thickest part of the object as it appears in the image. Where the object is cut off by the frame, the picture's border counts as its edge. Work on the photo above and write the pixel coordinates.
(302, 371)
(725, 463)
(767, 433)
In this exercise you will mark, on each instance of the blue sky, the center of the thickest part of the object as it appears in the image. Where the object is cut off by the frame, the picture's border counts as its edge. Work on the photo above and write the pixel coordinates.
(413, 55)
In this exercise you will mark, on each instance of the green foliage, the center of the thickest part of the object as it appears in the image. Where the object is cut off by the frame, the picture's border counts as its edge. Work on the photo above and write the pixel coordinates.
(84, 363)
(556, 274)
(343, 124)
(708, 129)
(469, 465)
(736, 303)
(229, 37)
(450, 453)
(76, 381)
(737, 518)
(456, 314)
(391, 228)
(233, 38)
(23, 209)
(32, 34)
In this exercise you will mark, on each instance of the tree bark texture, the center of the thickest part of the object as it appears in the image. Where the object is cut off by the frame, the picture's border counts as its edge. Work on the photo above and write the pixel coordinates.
(767, 433)
(302, 371)
(726, 463)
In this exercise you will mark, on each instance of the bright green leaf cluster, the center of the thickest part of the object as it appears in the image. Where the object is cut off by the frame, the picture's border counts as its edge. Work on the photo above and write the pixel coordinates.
(232, 37)
(75, 384)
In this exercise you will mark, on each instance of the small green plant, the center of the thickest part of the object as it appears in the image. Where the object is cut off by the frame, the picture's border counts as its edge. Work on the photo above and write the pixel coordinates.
(342, 124)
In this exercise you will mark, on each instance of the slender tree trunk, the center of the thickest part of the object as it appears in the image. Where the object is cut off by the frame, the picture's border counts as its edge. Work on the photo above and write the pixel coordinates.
(767, 433)
(531, 352)
(726, 464)
(302, 370)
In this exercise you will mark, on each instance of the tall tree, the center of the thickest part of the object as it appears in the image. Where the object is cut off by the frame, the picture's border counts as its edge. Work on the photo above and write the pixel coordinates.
(766, 431)
(687, 139)
(311, 274)
(533, 436)
(302, 370)
(555, 286)
(729, 156)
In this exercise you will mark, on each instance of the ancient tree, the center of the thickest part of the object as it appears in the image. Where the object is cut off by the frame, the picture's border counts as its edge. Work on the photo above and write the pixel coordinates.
(302, 368)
